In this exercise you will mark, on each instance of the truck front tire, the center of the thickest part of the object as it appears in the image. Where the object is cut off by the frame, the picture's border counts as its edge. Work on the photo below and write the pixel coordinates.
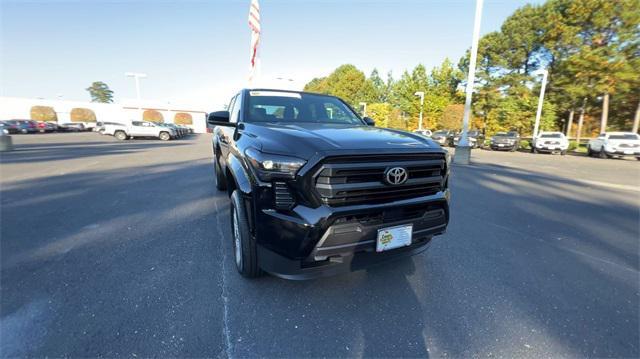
(244, 247)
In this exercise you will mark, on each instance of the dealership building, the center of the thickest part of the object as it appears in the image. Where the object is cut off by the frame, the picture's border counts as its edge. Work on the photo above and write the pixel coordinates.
(62, 111)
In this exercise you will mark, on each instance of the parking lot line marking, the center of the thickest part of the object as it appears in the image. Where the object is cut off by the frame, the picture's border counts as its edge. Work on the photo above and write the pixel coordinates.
(225, 296)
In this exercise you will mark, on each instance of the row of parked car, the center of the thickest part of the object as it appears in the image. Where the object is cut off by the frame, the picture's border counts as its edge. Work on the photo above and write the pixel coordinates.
(611, 144)
(162, 131)
(32, 126)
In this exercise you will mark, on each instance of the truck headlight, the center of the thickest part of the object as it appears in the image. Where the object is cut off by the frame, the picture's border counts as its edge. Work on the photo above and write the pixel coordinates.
(268, 166)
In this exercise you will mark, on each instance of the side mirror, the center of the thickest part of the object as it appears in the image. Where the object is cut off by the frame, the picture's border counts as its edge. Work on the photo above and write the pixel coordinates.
(219, 118)
(369, 121)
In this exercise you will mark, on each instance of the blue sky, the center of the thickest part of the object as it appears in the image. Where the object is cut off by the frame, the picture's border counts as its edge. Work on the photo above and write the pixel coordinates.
(197, 52)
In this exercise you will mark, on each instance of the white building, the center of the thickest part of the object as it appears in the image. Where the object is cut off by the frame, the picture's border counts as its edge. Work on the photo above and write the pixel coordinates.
(86, 112)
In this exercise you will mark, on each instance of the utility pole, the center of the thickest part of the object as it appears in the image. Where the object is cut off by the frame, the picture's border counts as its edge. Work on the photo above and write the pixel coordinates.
(545, 73)
(364, 109)
(580, 121)
(137, 76)
(463, 151)
(421, 95)
(605, 113)
(636, 119)
(570, 123)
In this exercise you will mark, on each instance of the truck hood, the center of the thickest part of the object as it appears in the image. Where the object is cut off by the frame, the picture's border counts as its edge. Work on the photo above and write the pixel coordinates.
(305, 140)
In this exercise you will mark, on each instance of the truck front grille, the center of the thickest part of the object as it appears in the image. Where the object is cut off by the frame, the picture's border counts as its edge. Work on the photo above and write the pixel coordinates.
(353, 180)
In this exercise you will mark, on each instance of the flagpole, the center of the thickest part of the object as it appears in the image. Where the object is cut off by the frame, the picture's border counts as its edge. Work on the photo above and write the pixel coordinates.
(463, 151)
(254, 25)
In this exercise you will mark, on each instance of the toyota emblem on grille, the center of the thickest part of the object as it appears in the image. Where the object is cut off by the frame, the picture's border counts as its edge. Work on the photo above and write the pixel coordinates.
(396, 176)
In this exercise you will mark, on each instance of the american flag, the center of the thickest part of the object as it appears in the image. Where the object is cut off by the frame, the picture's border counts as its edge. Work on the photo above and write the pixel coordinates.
(254, 25)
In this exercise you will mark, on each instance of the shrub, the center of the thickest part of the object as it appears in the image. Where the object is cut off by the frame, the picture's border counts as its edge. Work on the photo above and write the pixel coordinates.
(82, 115)
(43, 113)
(572, 146)
(525, 144)
(152, 116)
(182, 118)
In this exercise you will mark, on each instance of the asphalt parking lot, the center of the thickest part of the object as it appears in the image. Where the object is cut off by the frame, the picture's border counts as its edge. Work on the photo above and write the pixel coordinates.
(123, 249)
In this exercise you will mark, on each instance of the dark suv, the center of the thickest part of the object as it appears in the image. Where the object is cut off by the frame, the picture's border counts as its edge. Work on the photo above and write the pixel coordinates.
(316, 190)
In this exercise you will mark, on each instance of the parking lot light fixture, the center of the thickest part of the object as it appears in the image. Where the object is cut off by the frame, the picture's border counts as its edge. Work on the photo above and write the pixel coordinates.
(421, 95)
(137, 76)
(364, 109)
(536, 126)
(463, 151)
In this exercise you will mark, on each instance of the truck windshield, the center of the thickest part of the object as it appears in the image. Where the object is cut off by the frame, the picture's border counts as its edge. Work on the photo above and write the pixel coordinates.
(550, 135)
(627, 136)
(279, 106)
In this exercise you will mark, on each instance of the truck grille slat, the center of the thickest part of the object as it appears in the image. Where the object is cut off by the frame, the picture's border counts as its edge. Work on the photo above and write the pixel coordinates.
(361, 179)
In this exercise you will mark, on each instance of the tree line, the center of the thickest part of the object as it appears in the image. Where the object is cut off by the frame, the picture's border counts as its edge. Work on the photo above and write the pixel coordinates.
(590, 48)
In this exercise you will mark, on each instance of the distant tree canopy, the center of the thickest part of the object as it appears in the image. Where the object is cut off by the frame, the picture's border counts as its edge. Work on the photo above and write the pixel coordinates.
(182, 118)
(100, 92)
(591, 49)
(152, 116)
(43, 113)
(79, 114)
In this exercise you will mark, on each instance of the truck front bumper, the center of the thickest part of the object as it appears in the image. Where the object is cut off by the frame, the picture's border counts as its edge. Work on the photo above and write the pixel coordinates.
(315, 242)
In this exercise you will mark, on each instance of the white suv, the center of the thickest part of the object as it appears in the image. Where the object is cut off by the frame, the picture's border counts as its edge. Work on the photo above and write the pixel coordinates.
(610, 144)
(140, 129)
(551, 142)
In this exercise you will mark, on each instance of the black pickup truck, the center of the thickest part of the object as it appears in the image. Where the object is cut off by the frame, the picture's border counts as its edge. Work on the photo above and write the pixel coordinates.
(316, 190)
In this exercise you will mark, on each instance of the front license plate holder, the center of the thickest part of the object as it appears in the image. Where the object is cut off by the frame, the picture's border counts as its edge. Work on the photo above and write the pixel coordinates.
(394, 237)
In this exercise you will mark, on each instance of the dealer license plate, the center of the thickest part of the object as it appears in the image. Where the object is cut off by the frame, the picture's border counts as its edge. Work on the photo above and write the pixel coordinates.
(628, 152)
(500, 145)
(394, 237)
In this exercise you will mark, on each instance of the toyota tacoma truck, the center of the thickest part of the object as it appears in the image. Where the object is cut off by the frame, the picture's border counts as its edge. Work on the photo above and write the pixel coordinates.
(550, 142)
(140, 129)
(615, 144)
(317, 190)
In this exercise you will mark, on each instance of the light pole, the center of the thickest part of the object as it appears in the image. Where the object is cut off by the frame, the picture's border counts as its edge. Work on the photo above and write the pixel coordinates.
(421, 95)
(364, 108)
(137, 76)
(545, 73)
(463, 151)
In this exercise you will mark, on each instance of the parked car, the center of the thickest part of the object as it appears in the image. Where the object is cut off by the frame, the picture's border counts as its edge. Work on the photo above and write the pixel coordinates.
(441, 137)
(425, 133)
(24, 126)
(10, 126)
(73, 127)
(179, 130)
(550, 142)
(140, 129)
(475, 138)
(505, 141)
(100, 125)
(46, 126)
(315, 194)
(615, 144)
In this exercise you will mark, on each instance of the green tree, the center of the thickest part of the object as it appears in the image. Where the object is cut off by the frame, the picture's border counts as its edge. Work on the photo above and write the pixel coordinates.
(100, 92)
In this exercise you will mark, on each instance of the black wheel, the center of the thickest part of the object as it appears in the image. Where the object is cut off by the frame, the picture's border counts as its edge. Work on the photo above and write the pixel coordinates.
(120, 135)
(164, 136)
(589, 152)
(638, 158)
(602, 154)
(221, 182)
(563, 153)
(534, 150)
(244, 247)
